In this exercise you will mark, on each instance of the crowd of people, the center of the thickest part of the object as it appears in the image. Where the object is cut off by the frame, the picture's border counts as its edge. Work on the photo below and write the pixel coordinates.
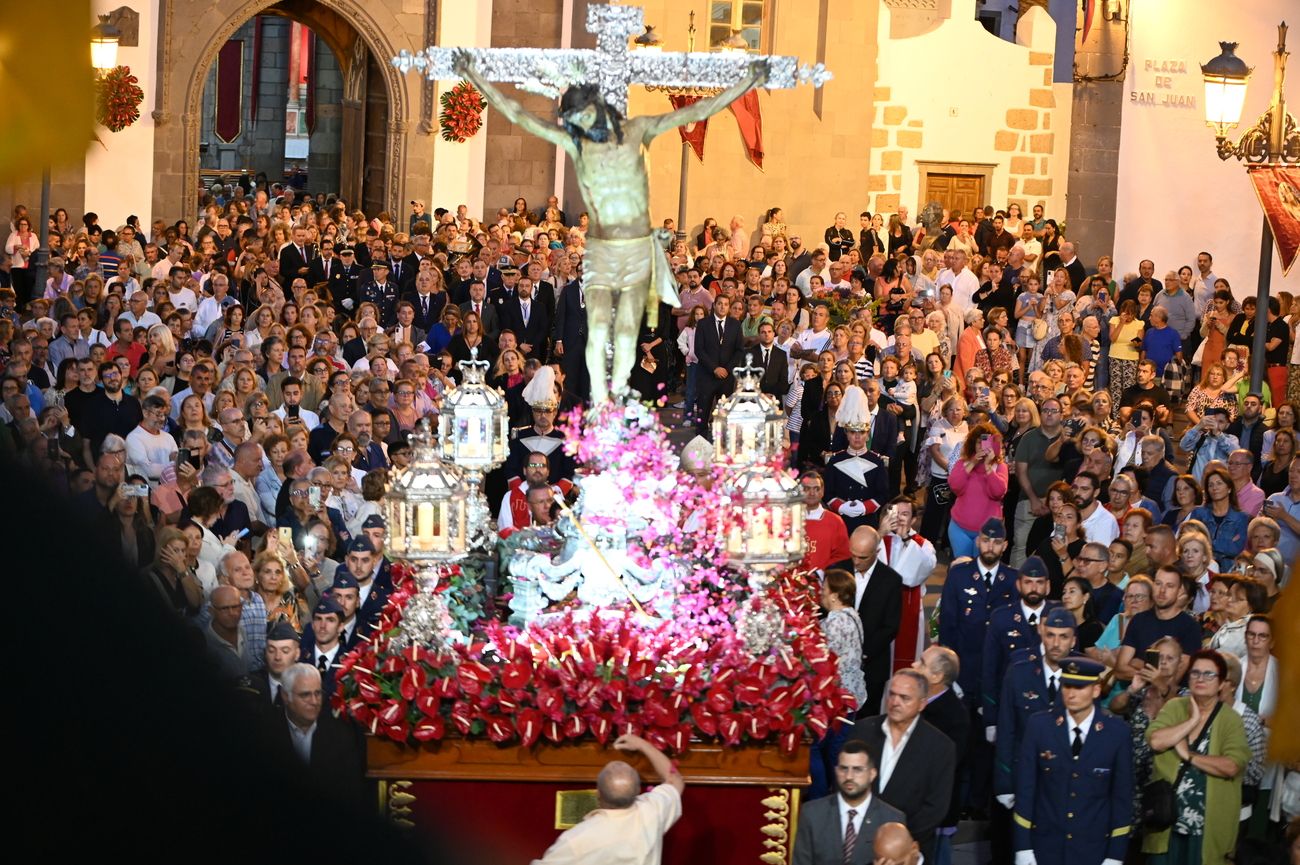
(1118, 510)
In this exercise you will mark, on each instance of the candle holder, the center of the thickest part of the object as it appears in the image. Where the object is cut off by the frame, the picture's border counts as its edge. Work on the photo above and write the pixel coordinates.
(473, 431)
(426, 506)
(749, 425)
(767, 523)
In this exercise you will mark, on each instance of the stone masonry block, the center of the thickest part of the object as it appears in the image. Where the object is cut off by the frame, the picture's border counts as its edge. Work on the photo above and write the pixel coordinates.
(882, 94)
(1005, 140)
(1044, 143)
(916, 124)
(891, 160)
(895, 182)
(880, 137)
(1012, 186)
(1040, 58)
(1022, 165)
(909, 139)
(1022, 118)
(887, 203)
(877, 183)
(1045, 160)
(1043, 98)
(895, 114)
(1038, 186)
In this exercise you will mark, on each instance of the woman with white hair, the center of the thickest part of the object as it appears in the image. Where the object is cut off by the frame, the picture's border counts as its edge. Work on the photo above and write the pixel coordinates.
(971, 342)
(739, 241)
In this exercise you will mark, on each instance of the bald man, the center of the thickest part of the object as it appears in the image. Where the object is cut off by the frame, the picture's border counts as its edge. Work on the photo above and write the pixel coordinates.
(894, 845)
(879, 602)
(627, 826)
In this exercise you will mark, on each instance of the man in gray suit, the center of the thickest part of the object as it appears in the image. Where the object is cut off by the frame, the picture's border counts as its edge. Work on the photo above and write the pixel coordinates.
(841, 829)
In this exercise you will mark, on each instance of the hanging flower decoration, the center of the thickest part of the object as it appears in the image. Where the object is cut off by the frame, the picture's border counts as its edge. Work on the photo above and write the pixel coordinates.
(462, 112)
(118, 97)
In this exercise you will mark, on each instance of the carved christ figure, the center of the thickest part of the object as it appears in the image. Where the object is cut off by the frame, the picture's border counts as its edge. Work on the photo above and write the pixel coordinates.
(625, 266)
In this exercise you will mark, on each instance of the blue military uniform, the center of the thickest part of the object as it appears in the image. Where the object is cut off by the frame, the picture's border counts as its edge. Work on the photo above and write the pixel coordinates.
(964, 611)
(328, 666)
(1010, 629)
(383, 296)
(345, 282)
(1077, 802)
(860, 477)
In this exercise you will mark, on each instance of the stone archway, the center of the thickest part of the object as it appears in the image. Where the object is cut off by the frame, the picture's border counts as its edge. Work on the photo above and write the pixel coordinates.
(189, 47)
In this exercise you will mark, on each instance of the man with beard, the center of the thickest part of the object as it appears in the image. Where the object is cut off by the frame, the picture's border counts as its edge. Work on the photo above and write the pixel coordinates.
(625, 265)
(1013, 628)
(1096, 523)
(842, 828)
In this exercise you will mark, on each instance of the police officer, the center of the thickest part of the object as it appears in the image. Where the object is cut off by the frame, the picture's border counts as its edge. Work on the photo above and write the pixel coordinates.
(382, 293)
(1013, 627)
(857, 480)
(1074, 778)
(345, 281)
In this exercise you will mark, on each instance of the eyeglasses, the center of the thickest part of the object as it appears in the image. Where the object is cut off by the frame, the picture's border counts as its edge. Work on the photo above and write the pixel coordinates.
(1206, 675)
(1086, 559)
(1256, 635)
(537, 465)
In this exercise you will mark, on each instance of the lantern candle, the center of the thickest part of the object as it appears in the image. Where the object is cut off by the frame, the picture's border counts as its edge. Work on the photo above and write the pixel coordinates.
(425, 527)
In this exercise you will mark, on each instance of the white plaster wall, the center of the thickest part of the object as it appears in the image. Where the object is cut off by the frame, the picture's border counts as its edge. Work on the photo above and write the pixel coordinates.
(119, 167)
(1176, 197)
(980, 101)
(458, 169)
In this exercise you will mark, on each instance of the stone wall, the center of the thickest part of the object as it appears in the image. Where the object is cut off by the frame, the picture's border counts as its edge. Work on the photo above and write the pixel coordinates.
(1012, 127)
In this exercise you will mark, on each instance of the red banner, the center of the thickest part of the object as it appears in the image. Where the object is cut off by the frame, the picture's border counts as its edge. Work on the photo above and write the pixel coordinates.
(230, 91)
(1278, 189)
(750, 121)
(692, 133)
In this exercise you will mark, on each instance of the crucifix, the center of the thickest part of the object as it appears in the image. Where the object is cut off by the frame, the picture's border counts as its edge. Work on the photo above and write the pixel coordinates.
(625, 269)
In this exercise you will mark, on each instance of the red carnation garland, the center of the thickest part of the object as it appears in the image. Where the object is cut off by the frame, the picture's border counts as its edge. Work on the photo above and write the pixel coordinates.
(462, 112)
(118, 98)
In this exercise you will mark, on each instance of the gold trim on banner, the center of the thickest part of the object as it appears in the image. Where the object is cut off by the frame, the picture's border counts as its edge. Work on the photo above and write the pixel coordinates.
(781, 811)
(396, 801)
(571, 806)
(216, 95)
(1284, 172)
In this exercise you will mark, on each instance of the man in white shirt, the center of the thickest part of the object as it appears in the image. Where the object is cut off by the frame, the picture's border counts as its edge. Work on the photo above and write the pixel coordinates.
(914, 558)
(138, 312)
(213, 309)
(818, 267)
(163, 268)
(814, 340)
(964, 283)
(628, 826)
(178, 290)
(1099, 524)
(842, 828)
(149, 449)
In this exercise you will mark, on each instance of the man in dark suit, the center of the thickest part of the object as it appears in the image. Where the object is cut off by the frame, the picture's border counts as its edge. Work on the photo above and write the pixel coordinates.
(332, 749)
(322, 268)
(295, 259)
(945, 710)
(487, 312)
(879, 602)
(569, 335)
(527, 317)
(772, 359)
(428, 306)
(718, 348)
(917, 762)
(841, 829)
(399, 268)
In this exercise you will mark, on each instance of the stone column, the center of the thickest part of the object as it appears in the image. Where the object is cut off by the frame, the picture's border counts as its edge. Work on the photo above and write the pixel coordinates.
(1094, 142)
(267, 134)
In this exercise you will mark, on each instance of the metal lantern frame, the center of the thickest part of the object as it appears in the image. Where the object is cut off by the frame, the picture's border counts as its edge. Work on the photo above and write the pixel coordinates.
(474, 423)
(749, 426)
(768, 512)
(427, 506)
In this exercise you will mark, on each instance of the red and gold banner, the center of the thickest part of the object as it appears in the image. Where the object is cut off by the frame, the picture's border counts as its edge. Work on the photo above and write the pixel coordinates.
(750, 121)
(692, 133)
(230, 91)
(1278, 189)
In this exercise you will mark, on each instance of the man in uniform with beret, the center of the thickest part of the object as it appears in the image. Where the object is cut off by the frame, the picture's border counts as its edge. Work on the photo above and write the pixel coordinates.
(1012, 628)
(1074, 778)
(326, 651)
(282, 650)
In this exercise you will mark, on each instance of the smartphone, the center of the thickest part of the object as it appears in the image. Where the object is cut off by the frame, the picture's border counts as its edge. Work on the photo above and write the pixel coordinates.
(1058, 532)
(313, 497)
(984, 393)
(243, 533)
(986, 442)
(1151, 658)
(286, 537)
(947, 373)
(182, 456)
(138, 491)
(52, 448)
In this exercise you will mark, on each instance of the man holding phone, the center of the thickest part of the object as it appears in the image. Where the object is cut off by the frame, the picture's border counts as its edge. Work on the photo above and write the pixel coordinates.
(914, 558)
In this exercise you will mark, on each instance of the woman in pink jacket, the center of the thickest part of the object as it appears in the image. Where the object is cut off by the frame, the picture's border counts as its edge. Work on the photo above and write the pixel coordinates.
(979, 483)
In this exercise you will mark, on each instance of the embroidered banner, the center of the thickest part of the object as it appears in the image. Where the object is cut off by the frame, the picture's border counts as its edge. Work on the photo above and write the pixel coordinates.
(692, 133)
(1278, 189)
(750, 121)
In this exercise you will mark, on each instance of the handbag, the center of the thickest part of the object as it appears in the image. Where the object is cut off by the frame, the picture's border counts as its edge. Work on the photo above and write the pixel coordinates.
(1039, 329)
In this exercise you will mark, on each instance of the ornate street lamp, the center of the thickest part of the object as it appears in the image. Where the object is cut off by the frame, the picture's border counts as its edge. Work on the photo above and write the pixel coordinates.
(426, 506)
(474, 429)
(767, 529)
(1273, 140)
(749, 426)
(104, 40)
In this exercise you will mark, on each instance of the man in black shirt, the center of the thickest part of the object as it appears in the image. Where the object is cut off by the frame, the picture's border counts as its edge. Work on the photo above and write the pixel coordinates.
(1277, 348)
(109, 409)
(1146, 271)
(1146, 390)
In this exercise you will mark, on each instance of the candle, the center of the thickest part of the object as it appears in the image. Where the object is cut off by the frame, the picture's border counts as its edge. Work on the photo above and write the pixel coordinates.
(424, 526)
(440, 536)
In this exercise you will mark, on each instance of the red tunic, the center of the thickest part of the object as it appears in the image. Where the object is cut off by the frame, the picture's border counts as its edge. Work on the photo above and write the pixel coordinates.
(828, 541)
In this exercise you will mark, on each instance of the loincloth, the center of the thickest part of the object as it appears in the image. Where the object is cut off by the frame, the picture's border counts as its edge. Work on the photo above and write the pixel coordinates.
(636, 263)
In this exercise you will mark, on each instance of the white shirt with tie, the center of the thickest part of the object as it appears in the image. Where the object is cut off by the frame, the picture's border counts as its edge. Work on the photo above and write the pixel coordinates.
(328, 657)
(1035, 612)
(860, 813)
(1051, 678)
(525, 310)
